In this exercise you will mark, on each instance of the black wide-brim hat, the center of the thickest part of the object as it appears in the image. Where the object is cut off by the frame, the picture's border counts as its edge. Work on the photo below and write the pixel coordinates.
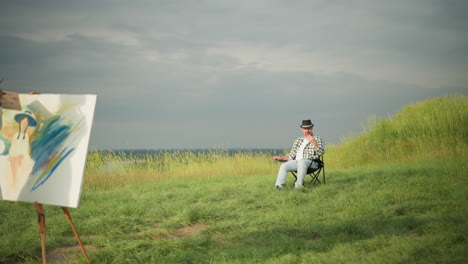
(31, 120)
(307, 124)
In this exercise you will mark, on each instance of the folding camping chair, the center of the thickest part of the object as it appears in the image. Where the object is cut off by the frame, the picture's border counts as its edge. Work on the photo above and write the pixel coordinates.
(314, 172)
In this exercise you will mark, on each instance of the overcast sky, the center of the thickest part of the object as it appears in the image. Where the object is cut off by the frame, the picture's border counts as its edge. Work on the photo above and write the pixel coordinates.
(226, 74)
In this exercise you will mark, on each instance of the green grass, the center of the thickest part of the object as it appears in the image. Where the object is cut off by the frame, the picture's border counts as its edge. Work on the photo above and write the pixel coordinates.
(216, 208)
(430, 130)
(393, 214)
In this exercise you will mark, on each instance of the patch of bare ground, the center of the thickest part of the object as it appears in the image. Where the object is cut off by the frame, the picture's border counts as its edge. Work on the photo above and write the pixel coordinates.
(188, 230)
(179, 233)
(157, 224)
(316, 238)
(67, 254)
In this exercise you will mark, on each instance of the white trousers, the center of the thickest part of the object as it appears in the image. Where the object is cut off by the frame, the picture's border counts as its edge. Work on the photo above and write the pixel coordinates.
(293, 165)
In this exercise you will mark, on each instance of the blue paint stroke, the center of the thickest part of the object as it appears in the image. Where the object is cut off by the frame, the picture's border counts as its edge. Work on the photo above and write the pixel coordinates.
(51, 137)
(49, 147)
(51, 171)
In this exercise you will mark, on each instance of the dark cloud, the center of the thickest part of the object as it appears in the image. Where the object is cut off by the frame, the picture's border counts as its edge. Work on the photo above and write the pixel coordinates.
(188, 73)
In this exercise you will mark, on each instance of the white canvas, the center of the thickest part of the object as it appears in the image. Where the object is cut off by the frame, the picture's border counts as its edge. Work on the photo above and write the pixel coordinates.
(43, 148)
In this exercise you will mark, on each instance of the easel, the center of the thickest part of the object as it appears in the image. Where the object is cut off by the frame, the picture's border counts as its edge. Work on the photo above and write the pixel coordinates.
(10, 100)
(42, 228)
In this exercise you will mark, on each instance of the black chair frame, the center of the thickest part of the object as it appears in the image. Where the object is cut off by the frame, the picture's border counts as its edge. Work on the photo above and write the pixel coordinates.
(315, 173)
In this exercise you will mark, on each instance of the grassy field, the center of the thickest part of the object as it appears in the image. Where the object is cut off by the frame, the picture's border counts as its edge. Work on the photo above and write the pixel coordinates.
(390, 198)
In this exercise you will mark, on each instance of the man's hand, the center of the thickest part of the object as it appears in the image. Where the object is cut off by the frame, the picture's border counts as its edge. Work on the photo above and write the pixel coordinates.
(280, 158)
(312, 140)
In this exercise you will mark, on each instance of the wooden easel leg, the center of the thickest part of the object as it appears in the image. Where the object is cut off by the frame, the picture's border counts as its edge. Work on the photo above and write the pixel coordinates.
(42, 228)
(67, 215)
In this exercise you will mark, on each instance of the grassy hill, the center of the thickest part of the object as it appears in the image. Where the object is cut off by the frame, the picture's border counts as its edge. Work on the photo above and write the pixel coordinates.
(435, 129)
(395, 194)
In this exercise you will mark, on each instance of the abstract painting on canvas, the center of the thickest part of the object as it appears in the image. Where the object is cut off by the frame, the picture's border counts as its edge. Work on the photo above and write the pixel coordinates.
(43, 148)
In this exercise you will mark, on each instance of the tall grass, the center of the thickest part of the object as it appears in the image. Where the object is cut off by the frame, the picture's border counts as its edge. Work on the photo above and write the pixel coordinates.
(111, 168)
(430, 130)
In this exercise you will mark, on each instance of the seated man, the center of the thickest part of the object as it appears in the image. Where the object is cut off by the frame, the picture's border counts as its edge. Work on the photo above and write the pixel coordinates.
(304, 150)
